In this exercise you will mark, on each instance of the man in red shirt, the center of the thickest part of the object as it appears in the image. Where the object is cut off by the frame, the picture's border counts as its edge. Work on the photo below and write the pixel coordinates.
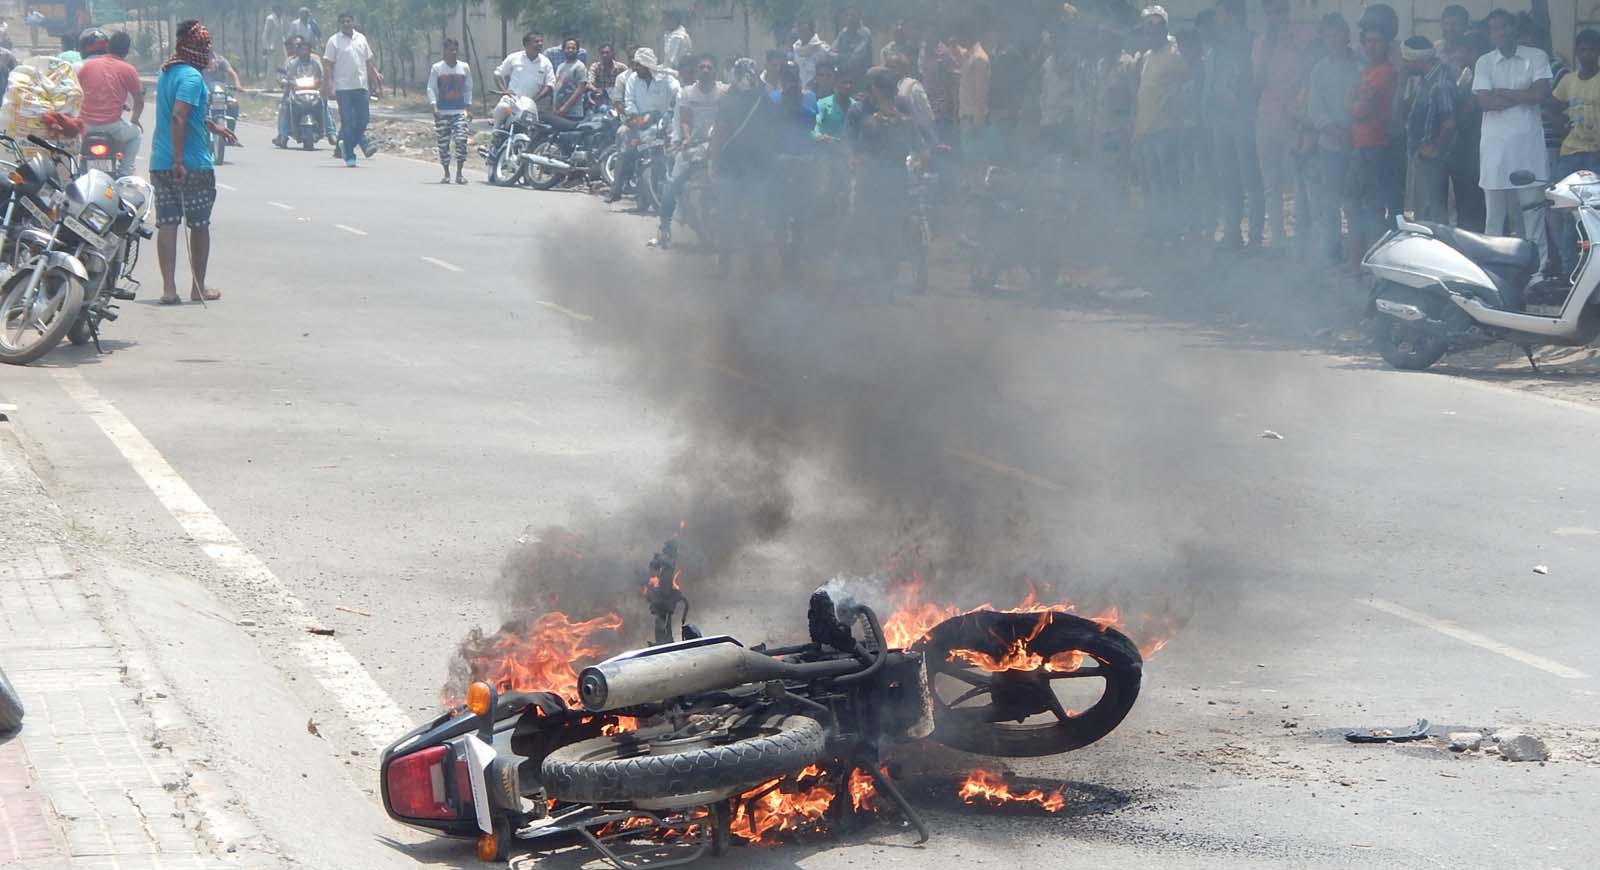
(1380, 168)
(109, 83)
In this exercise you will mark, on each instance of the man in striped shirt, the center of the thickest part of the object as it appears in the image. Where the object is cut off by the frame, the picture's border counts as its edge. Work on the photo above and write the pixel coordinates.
(450, 93)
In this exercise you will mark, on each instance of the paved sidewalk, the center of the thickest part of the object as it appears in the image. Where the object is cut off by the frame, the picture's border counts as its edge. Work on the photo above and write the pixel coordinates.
(86, 783)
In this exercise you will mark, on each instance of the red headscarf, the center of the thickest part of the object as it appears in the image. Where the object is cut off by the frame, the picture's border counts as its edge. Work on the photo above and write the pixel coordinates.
(193, 48)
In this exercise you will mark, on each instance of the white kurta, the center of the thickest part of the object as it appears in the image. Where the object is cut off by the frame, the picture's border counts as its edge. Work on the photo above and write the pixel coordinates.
(1513, 138)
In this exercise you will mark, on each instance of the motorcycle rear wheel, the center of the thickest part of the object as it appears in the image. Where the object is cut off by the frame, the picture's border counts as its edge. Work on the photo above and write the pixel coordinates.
(543, 177)
(1404, 346)
(1085, 649)
(608, 161)
(10, 706)
(621, 767)
(65, 297)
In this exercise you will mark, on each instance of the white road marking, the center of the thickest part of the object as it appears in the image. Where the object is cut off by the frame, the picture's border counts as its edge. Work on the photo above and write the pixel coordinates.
(575, 315)
(226, 186)
(1010, 471)
(351, 230)
(449, 267)
(276, 204)
(1450, 629)
(346, 682)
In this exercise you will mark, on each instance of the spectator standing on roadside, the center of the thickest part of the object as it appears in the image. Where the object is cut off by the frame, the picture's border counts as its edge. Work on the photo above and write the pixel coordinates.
(181, 173)
(1511, 82)
(940, 75)
(353, 76)
(1280, 70)
(220, 72)
(772, 72)
(272, 39)
(972, 98)
(1579, 96)
(527, 73)
(1378, 170)
(1229, 104)
(450, 94)
(1057, 95)
(854, 45)
(676, 44)
(1430, 127)
(1531, 33)
(913, 98)
(906, 40)
(305, 26)
(1453, 22)
(696, 111)
(571, 82)
(822, 84)
(1158, 123)
(797, 112)
(1328, 88)
(808, 49)
(1462, 52)
(109, 83)
(832, 110)
(603, 75)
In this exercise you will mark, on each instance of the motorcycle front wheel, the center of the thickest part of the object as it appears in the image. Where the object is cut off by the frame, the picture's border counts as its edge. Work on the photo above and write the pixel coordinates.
(652, 182)
(543, 177)
(623, 767)
(505, 165)
(31, 324)
(10, 706)
(994, 678)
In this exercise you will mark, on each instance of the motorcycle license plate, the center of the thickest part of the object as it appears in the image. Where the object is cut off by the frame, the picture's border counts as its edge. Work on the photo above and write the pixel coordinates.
(37, 212)
(82, 231)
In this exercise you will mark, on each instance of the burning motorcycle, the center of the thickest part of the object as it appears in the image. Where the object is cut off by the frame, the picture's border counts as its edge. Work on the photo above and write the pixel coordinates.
(670, 750)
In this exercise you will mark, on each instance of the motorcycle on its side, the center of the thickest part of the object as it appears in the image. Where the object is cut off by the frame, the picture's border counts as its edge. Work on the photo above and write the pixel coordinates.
(510, 139)
(667, 742)
(1438, 289)
(222, 110)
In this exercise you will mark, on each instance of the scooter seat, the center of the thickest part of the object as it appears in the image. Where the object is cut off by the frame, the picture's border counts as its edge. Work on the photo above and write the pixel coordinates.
(1502, 252)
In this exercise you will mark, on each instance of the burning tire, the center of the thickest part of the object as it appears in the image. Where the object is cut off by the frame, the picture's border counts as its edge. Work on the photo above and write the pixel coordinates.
(623, 768)
(1009, 663)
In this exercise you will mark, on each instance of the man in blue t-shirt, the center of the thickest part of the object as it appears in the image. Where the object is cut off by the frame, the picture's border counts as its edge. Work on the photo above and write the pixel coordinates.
(185, 184)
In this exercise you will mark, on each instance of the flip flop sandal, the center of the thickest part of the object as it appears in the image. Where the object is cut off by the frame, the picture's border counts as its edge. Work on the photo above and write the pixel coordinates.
(171, 300)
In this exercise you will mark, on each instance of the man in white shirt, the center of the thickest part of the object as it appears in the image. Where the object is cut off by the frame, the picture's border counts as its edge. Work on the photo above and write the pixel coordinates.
(350, 75)
(272, 39)
(691, 124)
(807, 50)
(1510, 83)
(649, 94)
(676, 45)
(527, 73)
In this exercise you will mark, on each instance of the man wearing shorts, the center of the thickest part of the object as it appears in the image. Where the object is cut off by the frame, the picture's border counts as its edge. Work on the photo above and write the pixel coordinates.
(180, 161)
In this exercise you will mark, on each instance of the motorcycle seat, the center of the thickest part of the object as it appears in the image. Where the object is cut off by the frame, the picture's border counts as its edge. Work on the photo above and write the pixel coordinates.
(1502, 252)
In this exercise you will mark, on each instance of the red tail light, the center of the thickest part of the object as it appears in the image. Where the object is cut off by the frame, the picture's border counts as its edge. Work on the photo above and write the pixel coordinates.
(99, 149)
(416, 785)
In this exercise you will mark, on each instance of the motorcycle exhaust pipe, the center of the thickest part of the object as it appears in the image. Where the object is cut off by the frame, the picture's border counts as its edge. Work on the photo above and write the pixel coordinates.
(548, 162)
(660, 673)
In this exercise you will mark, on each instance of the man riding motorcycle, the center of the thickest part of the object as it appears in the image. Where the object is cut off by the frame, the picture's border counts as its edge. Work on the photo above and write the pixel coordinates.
(110, 82)
(649, 94)
(301, 63)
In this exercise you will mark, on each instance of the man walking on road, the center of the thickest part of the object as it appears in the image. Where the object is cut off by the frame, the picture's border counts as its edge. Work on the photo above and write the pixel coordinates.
(180, 162)
(450, 93)
(109, 83)
(349, 71)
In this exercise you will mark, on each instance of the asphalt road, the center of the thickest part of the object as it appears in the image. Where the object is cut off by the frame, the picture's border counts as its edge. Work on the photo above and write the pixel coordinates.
(395, 387)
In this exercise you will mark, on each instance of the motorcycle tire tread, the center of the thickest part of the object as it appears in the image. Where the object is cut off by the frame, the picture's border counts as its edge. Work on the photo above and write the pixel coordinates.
(10, 706)
(568, 775)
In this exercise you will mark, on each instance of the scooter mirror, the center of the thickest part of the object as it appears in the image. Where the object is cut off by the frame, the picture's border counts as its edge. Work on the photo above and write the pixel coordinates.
(1522, 178)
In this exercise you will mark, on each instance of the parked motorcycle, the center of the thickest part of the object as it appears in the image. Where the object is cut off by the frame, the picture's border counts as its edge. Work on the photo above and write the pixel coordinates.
(510, 140)
(697, 206)
(1016, 227)
(10, 706)
(654, 166)
(1438, 289)
(73, 260)
(709, 719)
(222, 110)
(572, 155)
(308, 112)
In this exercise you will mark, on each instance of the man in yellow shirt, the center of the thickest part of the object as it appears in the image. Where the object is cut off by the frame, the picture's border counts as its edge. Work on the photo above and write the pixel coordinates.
(1578, 94)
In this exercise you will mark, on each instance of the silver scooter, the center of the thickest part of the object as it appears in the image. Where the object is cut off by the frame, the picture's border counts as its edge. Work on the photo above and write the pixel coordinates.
(1440, 289)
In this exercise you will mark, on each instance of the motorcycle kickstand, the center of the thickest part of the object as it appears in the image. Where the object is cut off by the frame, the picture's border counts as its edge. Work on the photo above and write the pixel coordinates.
(886, 786)
(1527, 351)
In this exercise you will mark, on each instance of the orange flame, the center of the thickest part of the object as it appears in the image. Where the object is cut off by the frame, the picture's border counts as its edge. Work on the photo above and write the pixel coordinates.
(542, 659)
(981, 785)
(777, 811)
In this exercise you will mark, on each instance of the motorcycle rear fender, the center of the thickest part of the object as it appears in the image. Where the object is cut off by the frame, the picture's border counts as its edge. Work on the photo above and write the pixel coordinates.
(1419, 260)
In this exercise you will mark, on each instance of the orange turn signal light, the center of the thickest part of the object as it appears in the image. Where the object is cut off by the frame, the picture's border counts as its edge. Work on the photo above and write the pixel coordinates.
(488, 847)
(478, 695)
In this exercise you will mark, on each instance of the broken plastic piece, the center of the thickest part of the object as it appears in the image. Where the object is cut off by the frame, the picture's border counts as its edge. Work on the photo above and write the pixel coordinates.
(1383, 735)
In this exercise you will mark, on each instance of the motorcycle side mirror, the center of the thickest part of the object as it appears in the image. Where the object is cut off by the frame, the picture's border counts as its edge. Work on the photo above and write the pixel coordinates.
(1522, 178)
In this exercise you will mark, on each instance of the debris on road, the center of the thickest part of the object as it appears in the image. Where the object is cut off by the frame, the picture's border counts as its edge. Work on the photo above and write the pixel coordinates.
(356, 610)
(1465, 741)
(1386, 735)
(246, 621)
(1125, 295)
(1271, 435)
(311, 728)
(1541, 569)
(324, 631)
(1517, 746)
